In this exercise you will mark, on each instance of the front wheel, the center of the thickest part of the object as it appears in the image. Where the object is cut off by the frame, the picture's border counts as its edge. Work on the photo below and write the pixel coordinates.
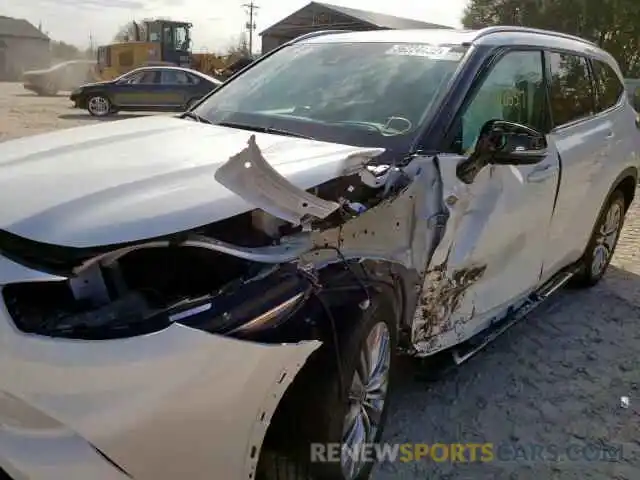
(99, 106)
(602, 244)
(350, 413)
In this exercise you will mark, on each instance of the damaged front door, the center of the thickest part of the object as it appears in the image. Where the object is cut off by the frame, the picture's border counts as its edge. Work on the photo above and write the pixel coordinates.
(492, 250)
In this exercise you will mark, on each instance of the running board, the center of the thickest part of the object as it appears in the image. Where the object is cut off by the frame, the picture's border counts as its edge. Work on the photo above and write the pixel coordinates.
(474, 345)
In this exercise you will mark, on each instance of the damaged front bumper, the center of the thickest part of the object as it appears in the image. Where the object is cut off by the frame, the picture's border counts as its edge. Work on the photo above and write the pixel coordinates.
(179, 403)
(173, 391)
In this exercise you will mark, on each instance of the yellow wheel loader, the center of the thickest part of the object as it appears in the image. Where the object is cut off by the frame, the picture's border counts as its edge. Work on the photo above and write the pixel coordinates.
(154, 42)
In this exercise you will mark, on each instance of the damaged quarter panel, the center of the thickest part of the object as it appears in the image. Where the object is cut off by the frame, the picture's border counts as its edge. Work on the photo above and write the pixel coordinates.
(114, 402)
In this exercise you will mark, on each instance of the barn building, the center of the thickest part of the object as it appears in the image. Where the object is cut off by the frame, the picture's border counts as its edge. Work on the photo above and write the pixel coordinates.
(22, 47)
(322, 16)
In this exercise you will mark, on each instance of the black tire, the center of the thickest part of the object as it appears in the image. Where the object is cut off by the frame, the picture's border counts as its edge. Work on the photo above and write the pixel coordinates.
(321, 408)
(105, 108)
(592, 266)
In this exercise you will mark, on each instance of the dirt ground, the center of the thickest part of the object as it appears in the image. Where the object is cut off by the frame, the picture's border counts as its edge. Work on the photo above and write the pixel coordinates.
(554, 381)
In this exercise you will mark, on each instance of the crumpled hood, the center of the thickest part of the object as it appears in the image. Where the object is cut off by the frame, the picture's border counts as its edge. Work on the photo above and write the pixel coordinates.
(128, 180)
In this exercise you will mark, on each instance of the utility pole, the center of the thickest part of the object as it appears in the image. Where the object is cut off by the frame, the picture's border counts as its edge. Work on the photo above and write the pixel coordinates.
(251, 25)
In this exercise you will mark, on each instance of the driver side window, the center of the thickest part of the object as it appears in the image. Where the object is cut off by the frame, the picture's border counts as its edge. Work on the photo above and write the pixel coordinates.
(514, 90)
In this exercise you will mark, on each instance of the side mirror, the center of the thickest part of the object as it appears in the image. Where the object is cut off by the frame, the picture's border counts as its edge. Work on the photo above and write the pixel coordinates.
(504, 143)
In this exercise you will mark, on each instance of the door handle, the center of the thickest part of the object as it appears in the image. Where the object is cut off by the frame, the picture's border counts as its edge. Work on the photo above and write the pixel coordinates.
(610, 135)
(541, 173)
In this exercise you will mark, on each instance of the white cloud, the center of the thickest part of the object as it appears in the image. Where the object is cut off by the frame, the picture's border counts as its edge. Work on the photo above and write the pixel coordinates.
(217, 23)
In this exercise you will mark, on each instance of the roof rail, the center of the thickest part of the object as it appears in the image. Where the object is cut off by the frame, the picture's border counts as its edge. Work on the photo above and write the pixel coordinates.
(318, 33)
(514, 29)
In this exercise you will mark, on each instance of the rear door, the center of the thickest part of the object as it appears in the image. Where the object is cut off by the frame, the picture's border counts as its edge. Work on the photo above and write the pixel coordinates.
(175, 88)
(496, 235)
(584, 131)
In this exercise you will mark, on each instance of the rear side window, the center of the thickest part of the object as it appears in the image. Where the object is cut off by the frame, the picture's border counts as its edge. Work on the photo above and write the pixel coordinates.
(608, 85)
(572, 96)
(174, 77)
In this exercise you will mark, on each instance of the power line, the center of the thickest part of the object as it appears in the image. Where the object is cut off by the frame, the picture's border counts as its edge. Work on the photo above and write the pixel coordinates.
(251, 25)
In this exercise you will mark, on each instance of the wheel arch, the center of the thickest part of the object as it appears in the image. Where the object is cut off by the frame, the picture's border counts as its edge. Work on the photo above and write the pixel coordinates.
(99, 93)
(626, 182)
(385, 278)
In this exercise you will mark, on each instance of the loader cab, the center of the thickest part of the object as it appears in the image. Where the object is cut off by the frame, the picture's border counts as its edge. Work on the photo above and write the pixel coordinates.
(174, 38)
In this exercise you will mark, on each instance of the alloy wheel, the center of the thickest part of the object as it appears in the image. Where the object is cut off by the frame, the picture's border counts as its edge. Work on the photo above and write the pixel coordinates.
(367, 397)
(99, 106)
(606, 238)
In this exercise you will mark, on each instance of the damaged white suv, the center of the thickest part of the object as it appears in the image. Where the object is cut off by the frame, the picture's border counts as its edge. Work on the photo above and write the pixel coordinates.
(206, 296)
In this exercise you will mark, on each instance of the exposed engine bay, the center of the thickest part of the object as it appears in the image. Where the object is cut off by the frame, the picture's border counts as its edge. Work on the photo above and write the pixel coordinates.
(194, 276)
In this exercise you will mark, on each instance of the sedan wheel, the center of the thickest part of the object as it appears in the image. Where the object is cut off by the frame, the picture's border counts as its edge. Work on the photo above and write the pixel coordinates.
(99, 106)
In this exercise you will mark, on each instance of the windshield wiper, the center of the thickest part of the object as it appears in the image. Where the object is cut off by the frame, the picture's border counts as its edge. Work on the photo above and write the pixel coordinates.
(254, 128)
(194, 116)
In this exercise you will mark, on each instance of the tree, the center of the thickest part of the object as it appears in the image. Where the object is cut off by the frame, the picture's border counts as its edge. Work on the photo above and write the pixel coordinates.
(612, 24)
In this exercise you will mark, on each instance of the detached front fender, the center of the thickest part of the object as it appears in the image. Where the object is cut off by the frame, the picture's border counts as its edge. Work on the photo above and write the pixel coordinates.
(179, 403)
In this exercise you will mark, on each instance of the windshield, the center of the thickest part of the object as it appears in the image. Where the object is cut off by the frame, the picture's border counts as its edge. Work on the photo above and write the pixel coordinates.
(363, 94)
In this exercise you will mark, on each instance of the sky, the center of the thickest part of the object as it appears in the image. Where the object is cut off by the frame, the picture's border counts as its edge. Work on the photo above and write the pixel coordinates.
(217, 24)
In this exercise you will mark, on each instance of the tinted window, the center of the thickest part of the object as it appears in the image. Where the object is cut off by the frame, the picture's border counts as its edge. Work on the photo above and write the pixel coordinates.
(174, 77)
(609, 86)
(572, 95)
(193, 79)
(513, 90)
(144, 77)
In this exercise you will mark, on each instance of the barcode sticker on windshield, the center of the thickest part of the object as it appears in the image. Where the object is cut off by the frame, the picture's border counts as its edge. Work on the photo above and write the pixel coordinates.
(421, 50)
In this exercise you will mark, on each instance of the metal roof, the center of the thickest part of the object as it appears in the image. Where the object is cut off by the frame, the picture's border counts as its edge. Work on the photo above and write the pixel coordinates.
(18, 27)
(378, 20)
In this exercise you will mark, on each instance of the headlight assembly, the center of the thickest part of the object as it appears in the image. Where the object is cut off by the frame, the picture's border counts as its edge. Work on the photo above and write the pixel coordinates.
(251, 307)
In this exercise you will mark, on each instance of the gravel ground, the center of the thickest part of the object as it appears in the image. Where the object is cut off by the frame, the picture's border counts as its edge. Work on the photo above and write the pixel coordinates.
(553, 381)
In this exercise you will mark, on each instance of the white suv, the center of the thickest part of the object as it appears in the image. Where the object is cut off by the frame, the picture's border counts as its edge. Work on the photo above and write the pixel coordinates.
(222, 294)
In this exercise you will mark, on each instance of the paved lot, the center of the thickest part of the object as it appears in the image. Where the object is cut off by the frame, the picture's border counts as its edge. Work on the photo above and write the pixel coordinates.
(555, 380)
